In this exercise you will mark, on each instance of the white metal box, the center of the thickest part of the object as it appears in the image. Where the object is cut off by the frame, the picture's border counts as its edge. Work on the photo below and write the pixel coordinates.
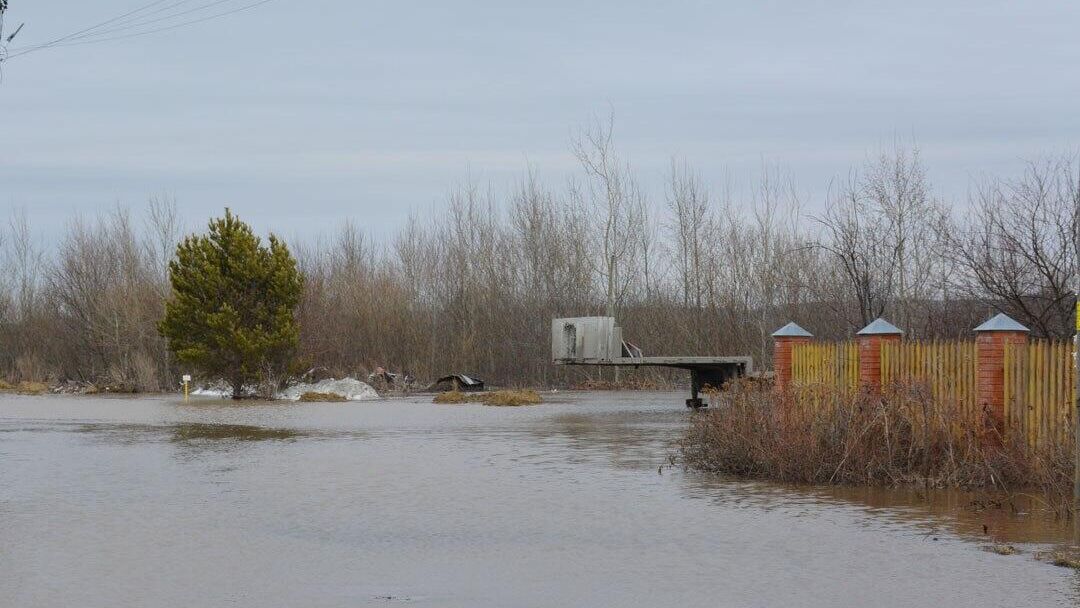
(585, 338)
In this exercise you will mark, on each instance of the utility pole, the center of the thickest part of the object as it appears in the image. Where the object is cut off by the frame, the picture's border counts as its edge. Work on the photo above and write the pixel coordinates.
(1076, 410)
(1076, 353)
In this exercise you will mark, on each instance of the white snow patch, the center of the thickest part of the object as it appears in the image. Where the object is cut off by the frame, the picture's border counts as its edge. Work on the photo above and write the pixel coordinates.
(217, 389)
(349, 388)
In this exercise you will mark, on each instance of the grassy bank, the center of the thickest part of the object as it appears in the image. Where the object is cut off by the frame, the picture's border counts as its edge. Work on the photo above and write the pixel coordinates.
(903, 437)
(24, 388)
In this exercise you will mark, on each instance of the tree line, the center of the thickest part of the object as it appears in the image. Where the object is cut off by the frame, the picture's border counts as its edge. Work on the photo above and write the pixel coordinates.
(472, 286)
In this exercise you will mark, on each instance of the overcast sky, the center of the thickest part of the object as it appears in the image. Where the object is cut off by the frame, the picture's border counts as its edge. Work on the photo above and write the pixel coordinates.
(301, 114)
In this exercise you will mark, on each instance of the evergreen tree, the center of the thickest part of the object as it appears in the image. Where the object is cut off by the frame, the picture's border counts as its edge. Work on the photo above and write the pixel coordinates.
(232, 311)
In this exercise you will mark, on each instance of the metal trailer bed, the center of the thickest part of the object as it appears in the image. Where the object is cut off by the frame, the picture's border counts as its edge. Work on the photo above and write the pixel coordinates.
(598, 341)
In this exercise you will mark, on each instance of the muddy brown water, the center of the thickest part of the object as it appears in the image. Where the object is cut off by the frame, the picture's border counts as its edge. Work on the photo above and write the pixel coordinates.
(153, 502)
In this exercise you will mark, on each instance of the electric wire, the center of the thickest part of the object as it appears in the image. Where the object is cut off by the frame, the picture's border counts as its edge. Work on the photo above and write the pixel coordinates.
(133, 20)
(137, 23)
(103, 23)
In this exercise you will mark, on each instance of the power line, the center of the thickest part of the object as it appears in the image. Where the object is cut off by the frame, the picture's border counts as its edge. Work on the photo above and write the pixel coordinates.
(140, 21)
(124, 21)
(92, 34)
(103, 23)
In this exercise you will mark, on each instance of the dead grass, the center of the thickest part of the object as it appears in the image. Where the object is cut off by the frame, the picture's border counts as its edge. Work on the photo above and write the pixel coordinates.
(1002, 549)
(451, 397)
(5, 386)
(512, 398)
(509, 398)
(901, 438)
(1066, 561)
(31, 388)
(317, 397)
(1062, 559)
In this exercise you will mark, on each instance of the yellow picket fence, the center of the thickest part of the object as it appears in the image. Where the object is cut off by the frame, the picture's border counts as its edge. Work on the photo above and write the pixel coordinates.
(1039, 381)
(824, 365)
(948, 369)
(1040, 388)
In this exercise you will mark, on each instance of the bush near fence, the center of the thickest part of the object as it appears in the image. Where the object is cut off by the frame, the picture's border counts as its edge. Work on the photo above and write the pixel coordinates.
(902, 436)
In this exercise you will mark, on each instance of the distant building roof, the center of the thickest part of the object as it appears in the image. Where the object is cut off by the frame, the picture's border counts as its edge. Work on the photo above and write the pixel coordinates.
(791, 330)
(1001, 322)
(878, 328)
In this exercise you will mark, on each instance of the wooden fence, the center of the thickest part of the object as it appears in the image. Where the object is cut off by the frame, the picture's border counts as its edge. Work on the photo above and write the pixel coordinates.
(1039, 381)
(948, 370)
(826, 365)
(1040, 388)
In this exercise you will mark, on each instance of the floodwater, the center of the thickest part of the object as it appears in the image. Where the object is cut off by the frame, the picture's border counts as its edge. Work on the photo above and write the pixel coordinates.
(153, 502)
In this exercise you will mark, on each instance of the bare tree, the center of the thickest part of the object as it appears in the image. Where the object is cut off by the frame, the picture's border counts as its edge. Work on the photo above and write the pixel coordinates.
(690, 222)
(611, 192)
(472, 284)
(856, 238)
(897, 187)
(1019, 248)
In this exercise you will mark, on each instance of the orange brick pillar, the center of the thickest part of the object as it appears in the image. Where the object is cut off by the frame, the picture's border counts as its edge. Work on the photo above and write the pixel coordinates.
(870, 339)
(991, 339)
(784, 339)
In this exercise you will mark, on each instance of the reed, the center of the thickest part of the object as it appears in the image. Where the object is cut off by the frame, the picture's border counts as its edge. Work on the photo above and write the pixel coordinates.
(905, 436)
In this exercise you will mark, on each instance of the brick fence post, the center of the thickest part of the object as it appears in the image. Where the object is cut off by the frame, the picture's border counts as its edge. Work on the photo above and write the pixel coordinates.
(783, 340)
(990, 342)
(870, 339)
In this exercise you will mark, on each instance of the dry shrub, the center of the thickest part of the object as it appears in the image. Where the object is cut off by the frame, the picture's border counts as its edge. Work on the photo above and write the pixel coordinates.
(511, 398)
(314, 396)
(145, 371)
(901, 437)
(29, 368)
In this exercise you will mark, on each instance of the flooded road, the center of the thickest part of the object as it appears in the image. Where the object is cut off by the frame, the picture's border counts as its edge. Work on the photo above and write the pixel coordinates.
(152, 502)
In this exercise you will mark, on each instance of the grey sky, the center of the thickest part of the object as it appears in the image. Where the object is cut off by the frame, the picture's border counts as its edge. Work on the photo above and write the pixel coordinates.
(299, 115)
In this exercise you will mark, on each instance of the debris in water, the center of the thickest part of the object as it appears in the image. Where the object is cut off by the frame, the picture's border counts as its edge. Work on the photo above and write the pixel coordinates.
(346, 389)
(349, 389)
(457, 383)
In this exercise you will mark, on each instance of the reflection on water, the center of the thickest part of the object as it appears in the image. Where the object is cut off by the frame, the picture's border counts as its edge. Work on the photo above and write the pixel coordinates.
(150, 501)
(646, 439)
(977, 516)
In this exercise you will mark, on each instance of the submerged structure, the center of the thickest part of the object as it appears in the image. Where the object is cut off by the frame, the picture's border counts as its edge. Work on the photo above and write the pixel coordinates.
(599, 341)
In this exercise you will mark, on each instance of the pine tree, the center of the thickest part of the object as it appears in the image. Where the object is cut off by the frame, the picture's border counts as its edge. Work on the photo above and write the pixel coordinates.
(232, 311)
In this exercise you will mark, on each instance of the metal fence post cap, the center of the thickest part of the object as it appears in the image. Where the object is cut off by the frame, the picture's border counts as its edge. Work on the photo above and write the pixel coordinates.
(1001, 322)
(791, 330)
(880, 327)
